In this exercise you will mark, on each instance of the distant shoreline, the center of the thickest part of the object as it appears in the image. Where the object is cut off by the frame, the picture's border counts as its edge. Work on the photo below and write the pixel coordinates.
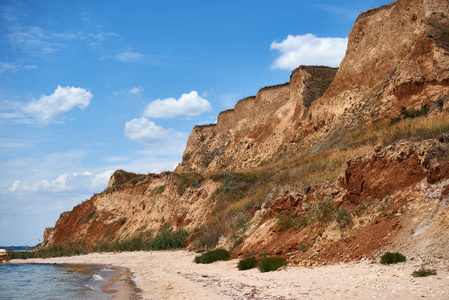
(174, 275)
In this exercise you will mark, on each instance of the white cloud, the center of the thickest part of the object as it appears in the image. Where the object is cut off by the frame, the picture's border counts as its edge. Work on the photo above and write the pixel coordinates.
(144, 131)
(188, 105)
(38, 41)
(135, 90)
(15, 185)
(308, 50)
(48, 109)
(129, 57)
(65, 182)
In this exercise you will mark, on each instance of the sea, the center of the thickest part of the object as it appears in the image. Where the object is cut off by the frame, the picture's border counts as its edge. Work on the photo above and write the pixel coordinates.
(43, 281)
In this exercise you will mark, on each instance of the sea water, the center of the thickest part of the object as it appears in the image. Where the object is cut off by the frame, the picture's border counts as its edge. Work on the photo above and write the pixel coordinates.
(41, 281)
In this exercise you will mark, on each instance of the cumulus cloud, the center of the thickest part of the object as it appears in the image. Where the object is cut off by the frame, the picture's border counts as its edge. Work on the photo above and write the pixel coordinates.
(48, 109)
(65, 182)
(188, 105)
(135, 90)
(143, 130)
(308, 50)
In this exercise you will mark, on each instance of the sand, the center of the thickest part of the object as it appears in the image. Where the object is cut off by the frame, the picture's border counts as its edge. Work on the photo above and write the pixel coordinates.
(174, 275)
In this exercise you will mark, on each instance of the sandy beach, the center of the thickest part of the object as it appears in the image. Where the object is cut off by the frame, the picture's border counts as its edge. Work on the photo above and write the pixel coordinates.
(174, 275)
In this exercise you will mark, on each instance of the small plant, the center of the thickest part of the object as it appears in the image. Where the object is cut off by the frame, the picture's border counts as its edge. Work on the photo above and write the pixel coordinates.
(304, 247)
(423, 272)
(158, 190)
(247, 263)
(90, 215)
(343, 218)
(411, 113)
(269, 264)
(392, 258)
(212, 256)
(291, 220)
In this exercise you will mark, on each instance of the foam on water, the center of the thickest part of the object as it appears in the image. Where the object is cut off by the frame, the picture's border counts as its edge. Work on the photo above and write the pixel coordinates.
(97, 277)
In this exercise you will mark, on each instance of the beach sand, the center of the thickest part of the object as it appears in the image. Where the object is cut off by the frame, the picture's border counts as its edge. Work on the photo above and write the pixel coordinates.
(174, 275)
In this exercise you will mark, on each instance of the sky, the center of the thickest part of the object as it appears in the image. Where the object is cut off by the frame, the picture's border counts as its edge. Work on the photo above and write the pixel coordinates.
(90, 87)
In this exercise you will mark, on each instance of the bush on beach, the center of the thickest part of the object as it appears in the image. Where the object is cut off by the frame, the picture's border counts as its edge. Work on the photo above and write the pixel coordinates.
(212, 256)
(392, 258)
(247, 263)
(268, 264)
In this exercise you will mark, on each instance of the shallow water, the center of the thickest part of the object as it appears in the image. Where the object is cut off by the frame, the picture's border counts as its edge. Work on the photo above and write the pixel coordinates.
(36, 281)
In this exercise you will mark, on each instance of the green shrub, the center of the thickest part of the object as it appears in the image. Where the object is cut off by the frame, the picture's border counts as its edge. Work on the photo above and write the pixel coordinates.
(212, 256)
(247, 263)
(392, 258)
(169, 239)
(268, 264)
(423, 272)
(411, 113)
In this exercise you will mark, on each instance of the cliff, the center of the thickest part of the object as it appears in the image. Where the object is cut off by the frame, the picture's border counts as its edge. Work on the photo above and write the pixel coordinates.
(257, 127)
(334, 165)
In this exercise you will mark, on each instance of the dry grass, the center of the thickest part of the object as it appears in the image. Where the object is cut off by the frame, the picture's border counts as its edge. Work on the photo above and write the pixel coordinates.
(248, 189)
(422, 127)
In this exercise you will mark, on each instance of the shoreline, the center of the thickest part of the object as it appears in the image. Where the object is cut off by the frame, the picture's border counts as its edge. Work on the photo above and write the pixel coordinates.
(174, 275)
(120, 286)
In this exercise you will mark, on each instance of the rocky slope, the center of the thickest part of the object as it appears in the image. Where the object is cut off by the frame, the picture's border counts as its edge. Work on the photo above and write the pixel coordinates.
(271, 176)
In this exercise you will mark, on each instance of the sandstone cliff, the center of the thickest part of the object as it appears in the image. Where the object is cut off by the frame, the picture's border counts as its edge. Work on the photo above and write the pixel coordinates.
(333, 165)
(255, 129)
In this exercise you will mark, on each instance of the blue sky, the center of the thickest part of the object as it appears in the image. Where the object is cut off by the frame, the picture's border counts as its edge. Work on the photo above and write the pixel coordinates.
(89, 87)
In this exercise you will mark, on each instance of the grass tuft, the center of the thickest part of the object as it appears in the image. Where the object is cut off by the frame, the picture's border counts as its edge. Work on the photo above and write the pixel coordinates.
(423, 272)
(186, 180)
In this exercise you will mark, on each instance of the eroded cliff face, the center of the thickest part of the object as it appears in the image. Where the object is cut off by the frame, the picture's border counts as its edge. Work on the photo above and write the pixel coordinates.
(397, 197)
(254, 131)
(139, 205)
(397, 56)
(232, 177)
